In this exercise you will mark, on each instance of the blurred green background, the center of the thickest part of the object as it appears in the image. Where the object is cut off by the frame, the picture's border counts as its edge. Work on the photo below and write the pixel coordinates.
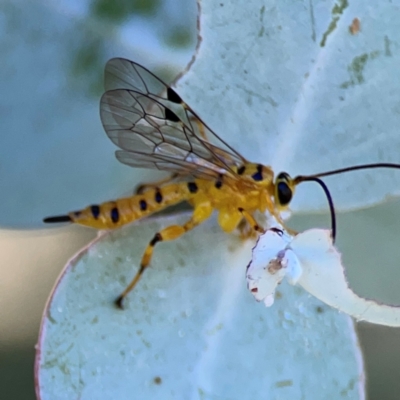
(161, 34)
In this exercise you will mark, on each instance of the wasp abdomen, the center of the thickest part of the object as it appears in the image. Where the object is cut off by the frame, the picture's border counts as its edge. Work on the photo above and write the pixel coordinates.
(113, 214)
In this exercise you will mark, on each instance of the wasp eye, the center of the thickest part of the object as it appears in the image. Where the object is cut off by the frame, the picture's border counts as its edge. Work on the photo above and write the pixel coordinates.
(283, 176)
(284, 192)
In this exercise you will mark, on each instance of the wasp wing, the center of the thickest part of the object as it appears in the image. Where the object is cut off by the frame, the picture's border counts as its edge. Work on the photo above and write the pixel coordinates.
(144, 115)
(171, 164)
(120, 73)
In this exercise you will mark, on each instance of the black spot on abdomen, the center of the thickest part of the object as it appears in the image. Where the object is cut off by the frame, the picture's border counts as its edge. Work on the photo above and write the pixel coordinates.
(95, 210)
(158, 197)
(241, 170)
(143, 205)
(114, 214)
(192, 187)
(218, 184)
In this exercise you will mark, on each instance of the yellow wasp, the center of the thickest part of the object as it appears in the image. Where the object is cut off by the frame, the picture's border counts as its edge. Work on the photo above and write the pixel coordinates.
(156, 129)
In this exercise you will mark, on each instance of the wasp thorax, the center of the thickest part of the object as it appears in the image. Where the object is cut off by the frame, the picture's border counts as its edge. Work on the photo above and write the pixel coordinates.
(258, 173)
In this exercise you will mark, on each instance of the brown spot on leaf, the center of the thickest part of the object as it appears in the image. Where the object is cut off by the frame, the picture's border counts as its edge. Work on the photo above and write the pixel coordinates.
(274, 266)
(355, 26)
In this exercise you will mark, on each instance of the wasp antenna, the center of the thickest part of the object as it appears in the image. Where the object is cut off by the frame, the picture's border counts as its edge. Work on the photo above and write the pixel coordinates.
(354, 168)
(57, 219)
(300, 179)
(315, 178)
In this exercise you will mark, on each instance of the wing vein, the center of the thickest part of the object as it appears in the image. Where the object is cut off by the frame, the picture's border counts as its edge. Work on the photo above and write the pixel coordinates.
(154, 131)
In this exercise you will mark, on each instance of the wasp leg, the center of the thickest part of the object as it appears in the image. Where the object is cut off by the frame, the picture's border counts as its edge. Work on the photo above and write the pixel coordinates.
(288, 230)
(145, 186)
(200, 214)
(251, 220)
(255, 227)
(246, 231)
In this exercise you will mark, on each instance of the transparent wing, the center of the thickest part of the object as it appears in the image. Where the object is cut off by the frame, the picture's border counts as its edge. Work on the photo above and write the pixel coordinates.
(120, 73)
(163, 163)
(148, 119)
